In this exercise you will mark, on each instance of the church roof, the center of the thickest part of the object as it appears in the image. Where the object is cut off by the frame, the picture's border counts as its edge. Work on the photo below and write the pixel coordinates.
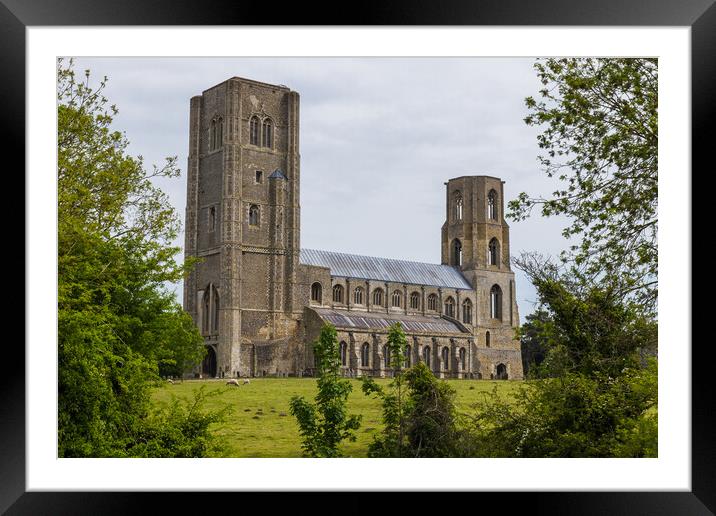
(386, 269)
(345, 319)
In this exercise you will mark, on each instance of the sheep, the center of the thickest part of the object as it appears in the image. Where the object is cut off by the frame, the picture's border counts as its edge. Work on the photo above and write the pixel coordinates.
(246, 380)
(233, 381)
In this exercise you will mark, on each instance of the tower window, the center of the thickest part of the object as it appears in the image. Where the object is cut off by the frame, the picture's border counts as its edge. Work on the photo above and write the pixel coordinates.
(415, 300)
(210, 310)
(494, 252)
(378, 297)
(467, 311)
(259, 177)
(496, 302)
(450, 307)
(492, 205)
(456, 252)
(316, 293)
(457, 206)
(338, 293)
(487, 339)
(397, 297)
(433, 302)
(358, 296)
(254, 130)
(212, 219)
(267, 134)
(254, 215)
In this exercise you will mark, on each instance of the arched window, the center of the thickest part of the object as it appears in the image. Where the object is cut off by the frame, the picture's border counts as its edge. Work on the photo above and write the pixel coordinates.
(487, 339)
(267, 134)
(496, 302)
(338, 293)
(397, 298)
(446, 358)
(450, 307)
(378, 297)
(415, 300)
(407, 360)
(492, 205)
(386, 356)
(358, 296)
(210, 310)
(493, 252)
(254, 131)
(456, 252)
(254, 215)
(467, 311)
(212, 219)
(365, 355)
(344, 353)
(433, 302)
(457, 206)
(426, 355)
(316, 292)
(463, 355)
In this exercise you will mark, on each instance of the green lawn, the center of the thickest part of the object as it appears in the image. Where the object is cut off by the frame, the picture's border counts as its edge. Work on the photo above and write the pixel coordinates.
(260, 424)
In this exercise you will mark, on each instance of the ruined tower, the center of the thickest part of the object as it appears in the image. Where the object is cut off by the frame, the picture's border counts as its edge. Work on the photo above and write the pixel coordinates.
(476, 238)
(242, 220)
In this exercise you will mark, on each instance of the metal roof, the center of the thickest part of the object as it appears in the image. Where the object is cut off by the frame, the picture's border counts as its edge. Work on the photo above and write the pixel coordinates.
(381, 321)
(386, 269)
(277, 174)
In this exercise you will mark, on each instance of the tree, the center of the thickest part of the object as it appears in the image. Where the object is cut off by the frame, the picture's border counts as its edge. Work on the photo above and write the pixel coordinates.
(325, 424)
(419, 414)
(118, 326)
(532, 342)
(599, 134)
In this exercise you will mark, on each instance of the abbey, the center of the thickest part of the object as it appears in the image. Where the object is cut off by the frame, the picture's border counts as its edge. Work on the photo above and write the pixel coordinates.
(260, 300)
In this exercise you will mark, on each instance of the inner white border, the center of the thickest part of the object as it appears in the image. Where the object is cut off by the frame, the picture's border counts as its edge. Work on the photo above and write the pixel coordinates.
(671, 471)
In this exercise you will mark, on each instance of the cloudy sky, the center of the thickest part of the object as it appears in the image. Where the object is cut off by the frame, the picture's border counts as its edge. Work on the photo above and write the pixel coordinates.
(379, 137)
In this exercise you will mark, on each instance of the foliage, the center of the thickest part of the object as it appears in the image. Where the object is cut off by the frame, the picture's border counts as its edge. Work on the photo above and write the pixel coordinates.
(533, 343)
(587, 329)
(118, 326)
(573, 416)
(599, 132)
(180, 429)
(423, 420)
(392, 441)
(325, 424)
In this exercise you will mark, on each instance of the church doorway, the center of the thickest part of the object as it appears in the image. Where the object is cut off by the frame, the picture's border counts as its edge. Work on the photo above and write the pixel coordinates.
(501, 371)
(208, 366)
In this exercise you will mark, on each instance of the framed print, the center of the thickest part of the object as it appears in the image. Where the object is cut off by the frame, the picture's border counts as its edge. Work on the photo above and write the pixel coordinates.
(679, 34)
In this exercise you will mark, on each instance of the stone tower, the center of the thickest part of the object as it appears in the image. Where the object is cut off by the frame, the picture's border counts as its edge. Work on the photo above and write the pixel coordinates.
(242, 220)
(476, 238)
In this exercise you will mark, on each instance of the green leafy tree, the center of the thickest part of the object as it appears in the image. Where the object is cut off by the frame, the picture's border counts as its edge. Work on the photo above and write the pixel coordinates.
(532, 342)
(599, 121)
(118, 325)
(573, 415)
(419, 414)
(325, 424)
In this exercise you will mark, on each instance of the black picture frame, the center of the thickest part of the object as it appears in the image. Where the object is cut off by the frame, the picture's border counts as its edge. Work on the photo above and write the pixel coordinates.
(17, 15)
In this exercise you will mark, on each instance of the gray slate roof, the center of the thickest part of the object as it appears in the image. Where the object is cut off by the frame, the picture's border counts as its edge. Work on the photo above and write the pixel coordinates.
(381, 321)
(386, 269)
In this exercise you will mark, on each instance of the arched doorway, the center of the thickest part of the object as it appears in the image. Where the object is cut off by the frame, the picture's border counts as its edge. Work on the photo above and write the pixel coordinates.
(208, 365)
(501, 372)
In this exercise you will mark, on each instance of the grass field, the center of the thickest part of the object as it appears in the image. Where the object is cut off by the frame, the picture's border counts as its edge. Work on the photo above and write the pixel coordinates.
(260, 424)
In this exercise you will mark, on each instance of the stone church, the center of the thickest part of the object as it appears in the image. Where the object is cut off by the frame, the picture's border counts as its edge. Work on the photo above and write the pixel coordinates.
(260, 299)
